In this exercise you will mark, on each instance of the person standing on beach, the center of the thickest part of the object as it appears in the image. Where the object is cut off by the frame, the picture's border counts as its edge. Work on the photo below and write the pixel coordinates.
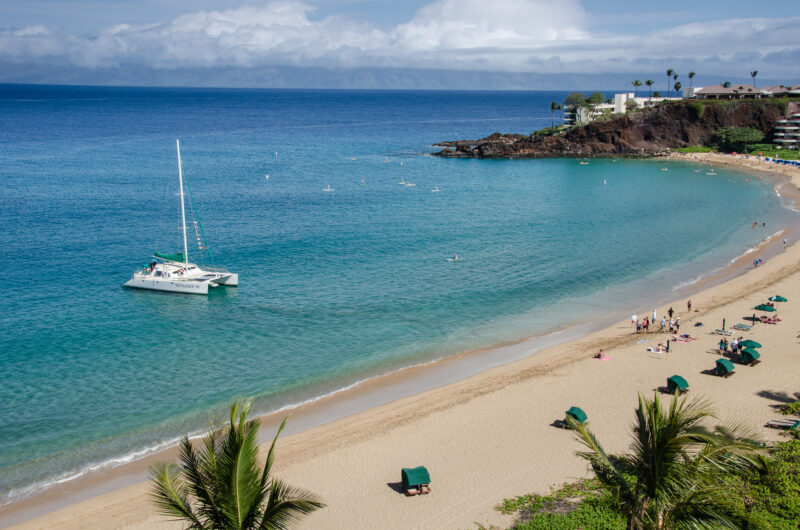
(670, 312)
(633, 320)
(689, 305)
(663, 323)
(677, 323)
(654, 317)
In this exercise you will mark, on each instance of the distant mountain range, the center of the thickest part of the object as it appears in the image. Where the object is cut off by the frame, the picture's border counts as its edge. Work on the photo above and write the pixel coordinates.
(357, 78)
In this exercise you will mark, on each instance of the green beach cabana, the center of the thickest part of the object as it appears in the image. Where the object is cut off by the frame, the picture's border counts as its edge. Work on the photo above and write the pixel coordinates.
(749, 344)
(765, 307)
(724, 367)
(777, 298)
(415, 480)
(678, 383)
(750, 356)
(577, 414)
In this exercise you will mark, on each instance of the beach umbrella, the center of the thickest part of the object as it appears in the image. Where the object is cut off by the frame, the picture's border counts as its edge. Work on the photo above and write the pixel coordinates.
(723, 324)
(749, 344)
(765, 307)
(667, 345)
(777, 298)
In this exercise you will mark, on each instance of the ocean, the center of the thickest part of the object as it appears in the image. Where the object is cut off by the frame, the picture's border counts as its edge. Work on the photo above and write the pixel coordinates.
(335, 287)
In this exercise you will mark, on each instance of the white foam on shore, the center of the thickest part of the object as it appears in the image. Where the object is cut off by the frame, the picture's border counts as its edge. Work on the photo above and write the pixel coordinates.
(18, 494)
(37, 487)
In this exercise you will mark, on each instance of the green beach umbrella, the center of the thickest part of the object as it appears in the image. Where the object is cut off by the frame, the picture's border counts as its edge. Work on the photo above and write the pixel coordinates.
(765, 307)
(777, 298)
(749, 344)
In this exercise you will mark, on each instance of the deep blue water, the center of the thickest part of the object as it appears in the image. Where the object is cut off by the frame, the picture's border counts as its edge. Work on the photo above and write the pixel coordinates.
(335, 287)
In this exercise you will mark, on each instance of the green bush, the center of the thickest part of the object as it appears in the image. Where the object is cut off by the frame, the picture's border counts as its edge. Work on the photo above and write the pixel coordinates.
(791, 408)
(582, 504)
(737, 138)
(696, 109)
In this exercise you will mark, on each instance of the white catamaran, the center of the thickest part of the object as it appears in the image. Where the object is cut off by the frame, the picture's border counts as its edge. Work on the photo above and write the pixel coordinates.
(174, 272)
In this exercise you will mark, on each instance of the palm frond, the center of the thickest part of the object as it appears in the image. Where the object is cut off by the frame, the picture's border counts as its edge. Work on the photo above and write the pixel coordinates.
(287, 505)
(169, 493)
(605, 469)
(201, 482)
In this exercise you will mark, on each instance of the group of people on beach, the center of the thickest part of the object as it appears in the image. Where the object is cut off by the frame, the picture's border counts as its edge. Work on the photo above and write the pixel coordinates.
(645, 325)
(732, 346)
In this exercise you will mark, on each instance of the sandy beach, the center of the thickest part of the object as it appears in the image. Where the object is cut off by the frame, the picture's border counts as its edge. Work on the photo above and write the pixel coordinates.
(492, 436)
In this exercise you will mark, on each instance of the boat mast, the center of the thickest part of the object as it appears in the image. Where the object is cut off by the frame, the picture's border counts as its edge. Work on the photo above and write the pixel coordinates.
(183, 210)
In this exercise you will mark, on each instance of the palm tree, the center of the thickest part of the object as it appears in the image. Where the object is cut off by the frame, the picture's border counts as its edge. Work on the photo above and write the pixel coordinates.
(669, 74)
(650, 84)
(220, 486)
(677, 87)
(753, 74)
(636, 84)
(691, 76)
(553, 109)
(561, 108)
(726, 84)
(673, 476)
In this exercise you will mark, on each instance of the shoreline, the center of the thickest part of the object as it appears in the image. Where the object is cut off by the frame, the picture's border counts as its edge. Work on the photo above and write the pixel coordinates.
(394, 390)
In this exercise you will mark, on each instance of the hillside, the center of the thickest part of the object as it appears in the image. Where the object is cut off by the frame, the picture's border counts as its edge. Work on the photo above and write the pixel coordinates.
(647, 132)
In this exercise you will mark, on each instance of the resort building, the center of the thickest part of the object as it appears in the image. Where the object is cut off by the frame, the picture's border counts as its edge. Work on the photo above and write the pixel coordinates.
(623, 102)
(741, 91)
(787, 132)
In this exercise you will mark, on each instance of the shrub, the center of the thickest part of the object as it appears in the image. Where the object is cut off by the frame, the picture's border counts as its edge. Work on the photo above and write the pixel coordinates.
(696, 110)
(737, 138)
(791, 408)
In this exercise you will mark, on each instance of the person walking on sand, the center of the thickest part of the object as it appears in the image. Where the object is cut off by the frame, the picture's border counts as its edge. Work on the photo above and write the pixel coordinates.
(633, 320)
(654, 317)
(677, 324)
(689, 305)
(671, 326)
(663, 323)
(670, 312)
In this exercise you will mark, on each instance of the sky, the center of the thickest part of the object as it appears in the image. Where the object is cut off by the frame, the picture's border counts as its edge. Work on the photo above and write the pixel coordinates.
(396, 44)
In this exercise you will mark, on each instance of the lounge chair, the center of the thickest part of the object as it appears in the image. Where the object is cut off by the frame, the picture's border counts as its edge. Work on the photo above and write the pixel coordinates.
(742, 327)
(784, 424)
(722, 332)
(416, 480)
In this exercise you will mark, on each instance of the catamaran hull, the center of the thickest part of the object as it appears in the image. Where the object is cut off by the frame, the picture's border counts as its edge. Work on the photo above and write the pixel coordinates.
(231, 280)
(177, 286)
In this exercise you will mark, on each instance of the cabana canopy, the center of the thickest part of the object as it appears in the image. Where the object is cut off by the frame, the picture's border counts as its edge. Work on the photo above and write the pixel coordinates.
(747, 343)
(749, 356)
(724, 367)
(677, 382)
(577, 414)
(415, 476)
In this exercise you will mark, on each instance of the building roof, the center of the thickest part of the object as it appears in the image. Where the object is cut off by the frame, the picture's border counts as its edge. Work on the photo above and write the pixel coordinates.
(719, 90)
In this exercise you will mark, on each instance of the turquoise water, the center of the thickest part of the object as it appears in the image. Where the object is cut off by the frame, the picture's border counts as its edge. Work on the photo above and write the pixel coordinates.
(335, 287)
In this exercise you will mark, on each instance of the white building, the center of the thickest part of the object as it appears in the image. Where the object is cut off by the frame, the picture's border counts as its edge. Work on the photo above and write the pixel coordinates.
(787, 132)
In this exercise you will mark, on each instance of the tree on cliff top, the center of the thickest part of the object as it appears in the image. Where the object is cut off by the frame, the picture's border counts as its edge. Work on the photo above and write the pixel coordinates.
(669, 74)
(575, 99)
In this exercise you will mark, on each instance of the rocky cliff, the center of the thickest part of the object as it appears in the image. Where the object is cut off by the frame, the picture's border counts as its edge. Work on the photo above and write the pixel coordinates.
(648, 132)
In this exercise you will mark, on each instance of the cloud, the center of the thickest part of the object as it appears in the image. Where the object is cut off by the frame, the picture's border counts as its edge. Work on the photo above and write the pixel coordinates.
(526, 36)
